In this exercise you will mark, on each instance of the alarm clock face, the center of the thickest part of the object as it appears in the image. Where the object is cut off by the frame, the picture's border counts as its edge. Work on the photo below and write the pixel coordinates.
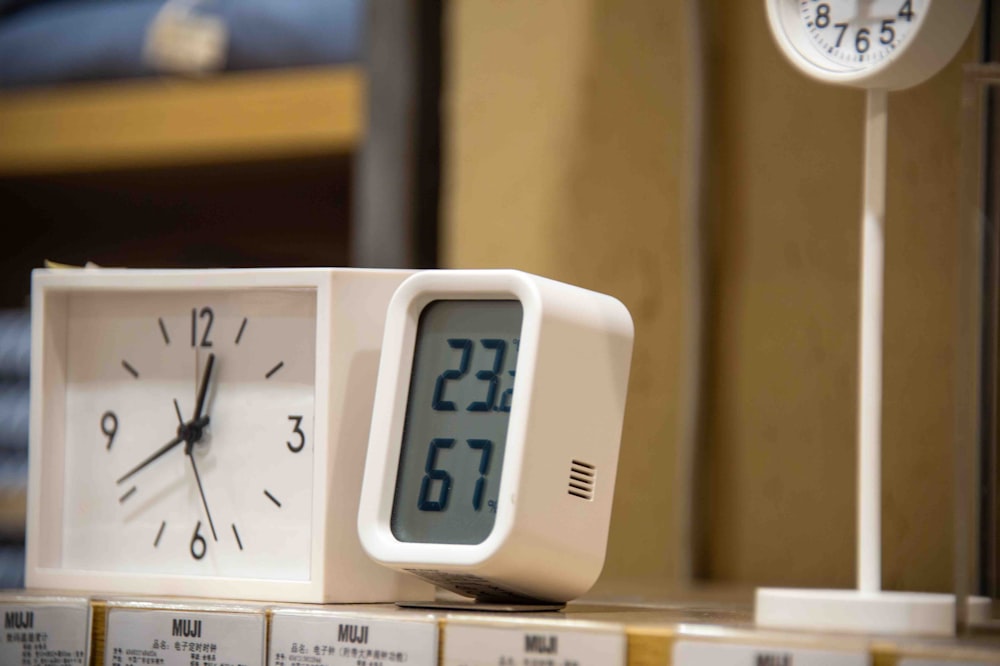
(455, 433)
(189, 432)
(853, 34)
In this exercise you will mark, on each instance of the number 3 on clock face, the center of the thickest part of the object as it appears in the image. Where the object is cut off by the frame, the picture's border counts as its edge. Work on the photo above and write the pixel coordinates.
(184, 424)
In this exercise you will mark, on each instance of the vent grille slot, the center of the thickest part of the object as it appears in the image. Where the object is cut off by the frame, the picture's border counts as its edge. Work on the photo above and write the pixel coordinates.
(582, 477)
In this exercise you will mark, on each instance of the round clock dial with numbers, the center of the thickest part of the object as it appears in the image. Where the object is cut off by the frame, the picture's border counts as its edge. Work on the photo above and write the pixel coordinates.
(871, 43)
(202, 432)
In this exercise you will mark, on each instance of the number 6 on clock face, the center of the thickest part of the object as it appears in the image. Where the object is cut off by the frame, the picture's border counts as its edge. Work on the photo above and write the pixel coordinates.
(495, 434)
(203, 432)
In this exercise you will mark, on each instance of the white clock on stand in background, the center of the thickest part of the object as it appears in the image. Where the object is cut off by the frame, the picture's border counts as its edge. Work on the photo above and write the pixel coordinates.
(878, 45)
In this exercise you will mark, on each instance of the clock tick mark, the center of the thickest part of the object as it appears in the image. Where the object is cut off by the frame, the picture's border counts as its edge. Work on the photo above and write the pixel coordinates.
(163, 329)
(273, 370)
(242, 328)
(128, 493)
(156, 542)
(128, 366)
(273, 498)
(237, 535)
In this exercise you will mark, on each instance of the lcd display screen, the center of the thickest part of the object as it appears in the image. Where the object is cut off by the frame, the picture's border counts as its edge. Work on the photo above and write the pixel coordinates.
(455, 432)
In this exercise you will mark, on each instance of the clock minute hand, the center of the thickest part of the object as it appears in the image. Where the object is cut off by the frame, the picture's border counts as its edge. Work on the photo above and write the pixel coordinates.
(184, 433)
(162, 450)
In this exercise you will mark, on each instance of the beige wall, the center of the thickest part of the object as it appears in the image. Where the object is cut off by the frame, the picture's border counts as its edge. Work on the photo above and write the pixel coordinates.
(568, 155)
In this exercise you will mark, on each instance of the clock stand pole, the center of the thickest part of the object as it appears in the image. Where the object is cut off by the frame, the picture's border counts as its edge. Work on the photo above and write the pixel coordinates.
(868, 608)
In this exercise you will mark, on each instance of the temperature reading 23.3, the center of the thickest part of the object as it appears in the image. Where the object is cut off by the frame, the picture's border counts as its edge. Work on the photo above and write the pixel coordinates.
(854, 33)
(461, 394)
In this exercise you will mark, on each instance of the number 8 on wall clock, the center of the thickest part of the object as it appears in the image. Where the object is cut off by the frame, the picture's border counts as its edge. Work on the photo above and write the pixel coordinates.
(889, 44)
(203, 432)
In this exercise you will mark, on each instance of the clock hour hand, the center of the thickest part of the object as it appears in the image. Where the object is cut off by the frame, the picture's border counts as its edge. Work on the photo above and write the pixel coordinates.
(203, 388)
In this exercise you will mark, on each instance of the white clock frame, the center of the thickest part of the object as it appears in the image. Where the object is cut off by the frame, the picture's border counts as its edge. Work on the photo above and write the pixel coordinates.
(546, 544)
(941, 30)
(350, 312)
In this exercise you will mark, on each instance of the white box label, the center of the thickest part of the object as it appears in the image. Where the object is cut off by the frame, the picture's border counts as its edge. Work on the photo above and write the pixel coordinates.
(299, 639)
(39, 634)
(183, 638)
(526, 645)
(698, 653)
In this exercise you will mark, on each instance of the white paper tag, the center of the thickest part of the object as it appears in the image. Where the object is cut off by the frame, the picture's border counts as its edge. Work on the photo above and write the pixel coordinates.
(181, 41)
(45, 634)
(527, 645)
(698, 653)
(331, 639)
(184, 638)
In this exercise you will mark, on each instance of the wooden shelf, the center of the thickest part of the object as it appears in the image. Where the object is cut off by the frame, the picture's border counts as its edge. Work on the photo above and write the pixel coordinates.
(651, 634)
(167, 122)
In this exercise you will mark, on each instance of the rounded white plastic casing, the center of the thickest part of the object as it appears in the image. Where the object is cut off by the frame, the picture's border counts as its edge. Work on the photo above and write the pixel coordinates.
(942, 27)
(350, 307)
(572, 377)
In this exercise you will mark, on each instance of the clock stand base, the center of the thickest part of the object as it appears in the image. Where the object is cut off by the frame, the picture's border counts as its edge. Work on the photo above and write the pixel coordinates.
(480, 606)
(900, 613)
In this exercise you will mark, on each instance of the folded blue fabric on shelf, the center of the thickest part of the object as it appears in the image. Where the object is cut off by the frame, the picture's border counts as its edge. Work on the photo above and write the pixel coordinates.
(60, 41)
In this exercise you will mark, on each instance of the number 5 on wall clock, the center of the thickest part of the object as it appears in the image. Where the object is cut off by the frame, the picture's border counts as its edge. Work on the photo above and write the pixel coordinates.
(203, 432)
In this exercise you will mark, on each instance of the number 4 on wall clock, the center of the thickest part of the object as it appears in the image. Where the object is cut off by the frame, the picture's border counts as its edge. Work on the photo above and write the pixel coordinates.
(203, 432)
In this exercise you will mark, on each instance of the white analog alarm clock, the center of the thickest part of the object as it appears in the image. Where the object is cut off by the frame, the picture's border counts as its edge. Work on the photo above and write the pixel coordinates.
(202, 432)
(888, 44)
(495, 434)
